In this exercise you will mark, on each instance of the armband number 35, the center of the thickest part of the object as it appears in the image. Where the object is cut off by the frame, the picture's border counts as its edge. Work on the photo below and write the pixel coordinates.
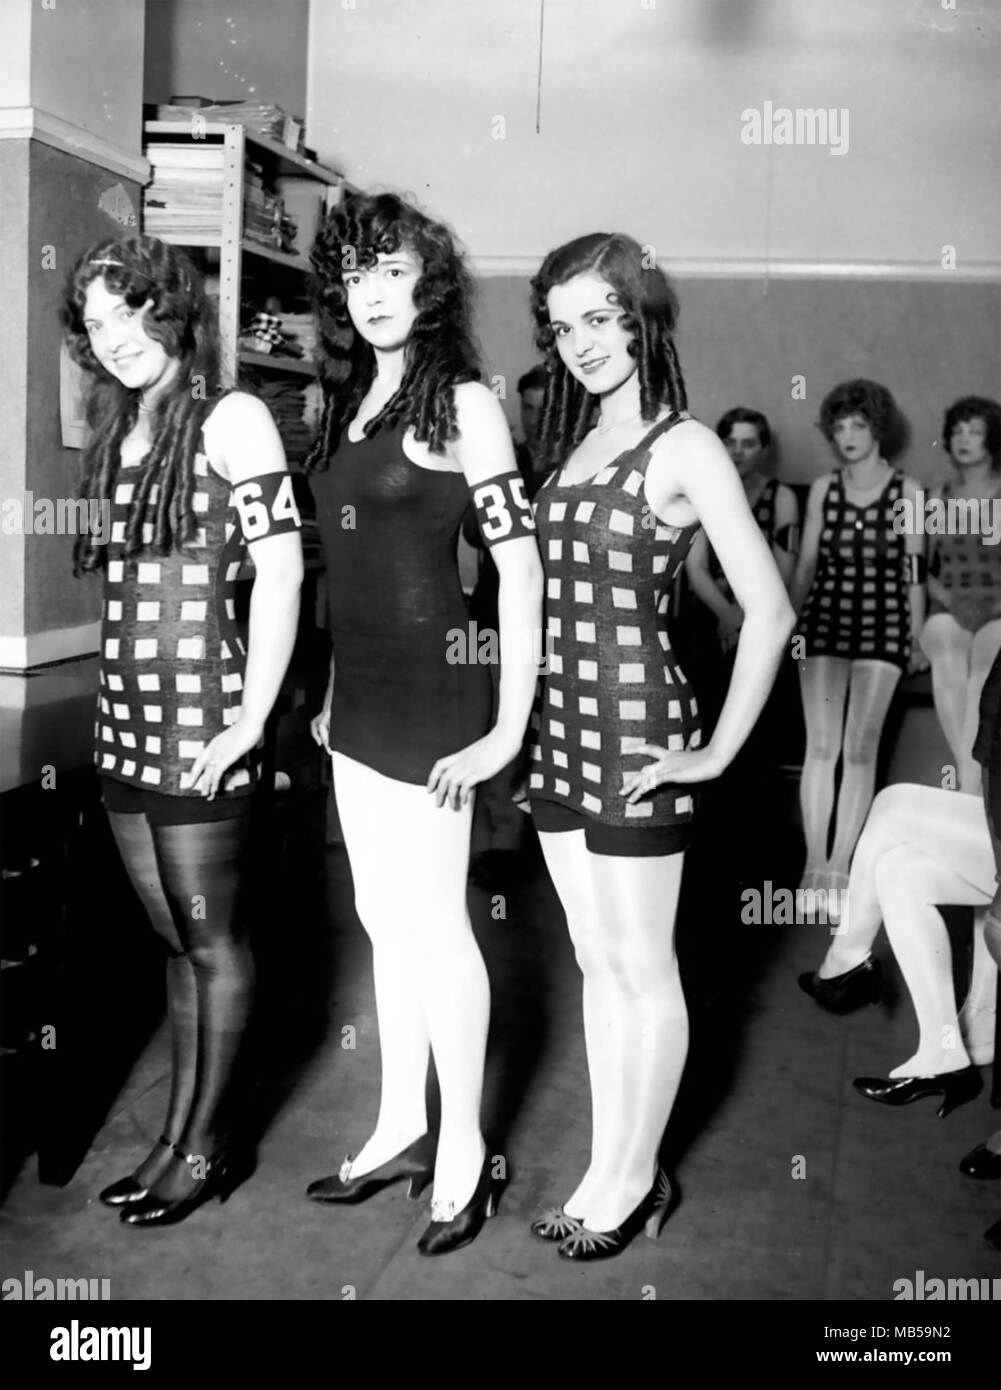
(498, 520)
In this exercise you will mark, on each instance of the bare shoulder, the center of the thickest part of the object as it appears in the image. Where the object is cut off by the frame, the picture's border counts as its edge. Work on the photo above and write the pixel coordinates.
(238, 410)
(689, 437)
(786, 501)
(476, 407)
(819, 486)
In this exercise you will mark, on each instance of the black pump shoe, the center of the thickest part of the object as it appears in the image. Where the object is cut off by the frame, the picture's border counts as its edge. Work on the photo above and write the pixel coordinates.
(957, 1087)
(224, 1172)
(415, 1162)
(126, 1191)
(442, 1237)
(555, 1224)
(648, 1217)
(842, 994)
(981, 1162)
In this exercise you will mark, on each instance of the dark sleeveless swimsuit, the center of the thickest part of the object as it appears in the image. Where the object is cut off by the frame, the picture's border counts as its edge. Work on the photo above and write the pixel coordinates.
(390, 530)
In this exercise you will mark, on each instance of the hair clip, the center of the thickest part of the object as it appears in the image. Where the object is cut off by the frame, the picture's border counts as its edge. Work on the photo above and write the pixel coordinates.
(106, 260)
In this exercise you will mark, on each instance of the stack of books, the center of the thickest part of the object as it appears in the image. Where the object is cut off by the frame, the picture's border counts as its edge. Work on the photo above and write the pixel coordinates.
(184, 199)
(259, 117)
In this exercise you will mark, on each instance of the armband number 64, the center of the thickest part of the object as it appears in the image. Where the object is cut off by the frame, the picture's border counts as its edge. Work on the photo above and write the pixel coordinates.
(266, 507)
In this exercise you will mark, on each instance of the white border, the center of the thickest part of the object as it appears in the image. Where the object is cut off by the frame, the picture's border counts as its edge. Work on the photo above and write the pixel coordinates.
(34, 123)
(39, 648)
(737, 268)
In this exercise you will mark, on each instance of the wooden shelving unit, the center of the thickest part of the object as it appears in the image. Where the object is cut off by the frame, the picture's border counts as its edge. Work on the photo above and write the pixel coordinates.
(233, 245)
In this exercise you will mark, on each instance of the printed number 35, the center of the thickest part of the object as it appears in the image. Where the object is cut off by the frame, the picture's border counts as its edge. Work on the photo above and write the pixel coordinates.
(499, 520)
(254, 514)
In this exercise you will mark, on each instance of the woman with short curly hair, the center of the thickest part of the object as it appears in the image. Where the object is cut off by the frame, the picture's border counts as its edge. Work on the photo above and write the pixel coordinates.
(859, 587)
(408, 433)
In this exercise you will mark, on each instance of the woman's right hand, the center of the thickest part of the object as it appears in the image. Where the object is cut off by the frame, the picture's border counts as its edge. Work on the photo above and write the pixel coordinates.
(729, 625)
(319, 728)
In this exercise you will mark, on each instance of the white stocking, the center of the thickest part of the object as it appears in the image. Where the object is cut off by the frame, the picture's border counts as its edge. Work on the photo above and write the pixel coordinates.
(823, 686)
(870, 693)
(409, 859)
(636, 901)
(947, 647)
(567, 860)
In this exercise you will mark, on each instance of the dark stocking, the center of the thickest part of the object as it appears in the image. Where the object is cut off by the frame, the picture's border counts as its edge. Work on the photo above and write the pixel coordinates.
(135, 844)
(200, 869)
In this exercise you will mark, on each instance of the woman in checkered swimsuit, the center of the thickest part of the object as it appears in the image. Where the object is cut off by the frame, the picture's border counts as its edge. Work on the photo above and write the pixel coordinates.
(858, 586)
(187, 484)
(617, 750)
(963, 631)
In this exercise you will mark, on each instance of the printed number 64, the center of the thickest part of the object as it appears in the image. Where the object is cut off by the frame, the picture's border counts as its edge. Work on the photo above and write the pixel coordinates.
(254, 514)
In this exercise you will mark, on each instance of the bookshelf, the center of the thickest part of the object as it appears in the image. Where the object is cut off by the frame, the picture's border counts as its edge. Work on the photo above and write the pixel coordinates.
(206, 188)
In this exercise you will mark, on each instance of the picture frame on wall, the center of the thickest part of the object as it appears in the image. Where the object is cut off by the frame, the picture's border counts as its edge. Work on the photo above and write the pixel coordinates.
(72, 401)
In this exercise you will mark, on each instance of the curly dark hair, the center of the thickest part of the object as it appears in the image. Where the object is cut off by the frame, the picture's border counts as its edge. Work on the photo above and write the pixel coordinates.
(860, 397)
(650, 313)
(179, 317)
(744, 415)
(441, 351)
(976, 408)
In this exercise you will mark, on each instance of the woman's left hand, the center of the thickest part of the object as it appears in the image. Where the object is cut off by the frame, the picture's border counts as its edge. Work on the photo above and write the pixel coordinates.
(210, 767)
(453, 778)
(917, 661)
(687, 765)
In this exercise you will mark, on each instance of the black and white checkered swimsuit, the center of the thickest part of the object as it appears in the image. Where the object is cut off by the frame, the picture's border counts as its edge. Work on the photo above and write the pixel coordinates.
(612, 682)
(172, 660)
(857, 606)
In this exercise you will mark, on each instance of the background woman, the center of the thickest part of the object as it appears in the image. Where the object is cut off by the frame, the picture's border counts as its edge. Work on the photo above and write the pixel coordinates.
(191, 482)
(963, 631)
(617, 749)
(860, 593)
(408, 433)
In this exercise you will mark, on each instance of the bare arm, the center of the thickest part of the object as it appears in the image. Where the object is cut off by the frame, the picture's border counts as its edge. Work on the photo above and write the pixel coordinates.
(694, 465)
(806, 565)
(484, 450)
(243, 443)
(786, 519)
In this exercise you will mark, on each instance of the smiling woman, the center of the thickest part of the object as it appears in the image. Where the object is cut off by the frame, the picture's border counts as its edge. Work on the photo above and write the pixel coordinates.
(618, 752)
(192, 483)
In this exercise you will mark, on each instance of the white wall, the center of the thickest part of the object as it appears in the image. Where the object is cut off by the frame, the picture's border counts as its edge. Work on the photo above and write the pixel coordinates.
(87, 66)
(229, 50)
(641, 122)
(15, 45)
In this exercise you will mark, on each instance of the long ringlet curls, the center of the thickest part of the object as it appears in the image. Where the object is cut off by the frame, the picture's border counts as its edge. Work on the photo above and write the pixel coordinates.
(650, 313)
(141, 269)
(441, 351)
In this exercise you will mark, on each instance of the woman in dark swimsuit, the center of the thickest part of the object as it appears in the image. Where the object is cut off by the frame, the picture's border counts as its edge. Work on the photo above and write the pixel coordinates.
(408, 434)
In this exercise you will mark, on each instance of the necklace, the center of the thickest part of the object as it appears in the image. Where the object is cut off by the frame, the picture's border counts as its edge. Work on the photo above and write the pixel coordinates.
(616, 424)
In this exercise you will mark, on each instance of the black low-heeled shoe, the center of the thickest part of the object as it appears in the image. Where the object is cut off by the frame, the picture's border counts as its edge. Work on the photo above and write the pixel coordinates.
(648, 1217)
(555, 1224)
(981, 1162)
(415, 1162)
(126, 1191)
(224, 1172)
(442, 1237)
(956, 1087)
(842, 994)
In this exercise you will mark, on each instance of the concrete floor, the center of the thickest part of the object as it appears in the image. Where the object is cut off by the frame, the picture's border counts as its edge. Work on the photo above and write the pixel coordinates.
(767, 1092)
